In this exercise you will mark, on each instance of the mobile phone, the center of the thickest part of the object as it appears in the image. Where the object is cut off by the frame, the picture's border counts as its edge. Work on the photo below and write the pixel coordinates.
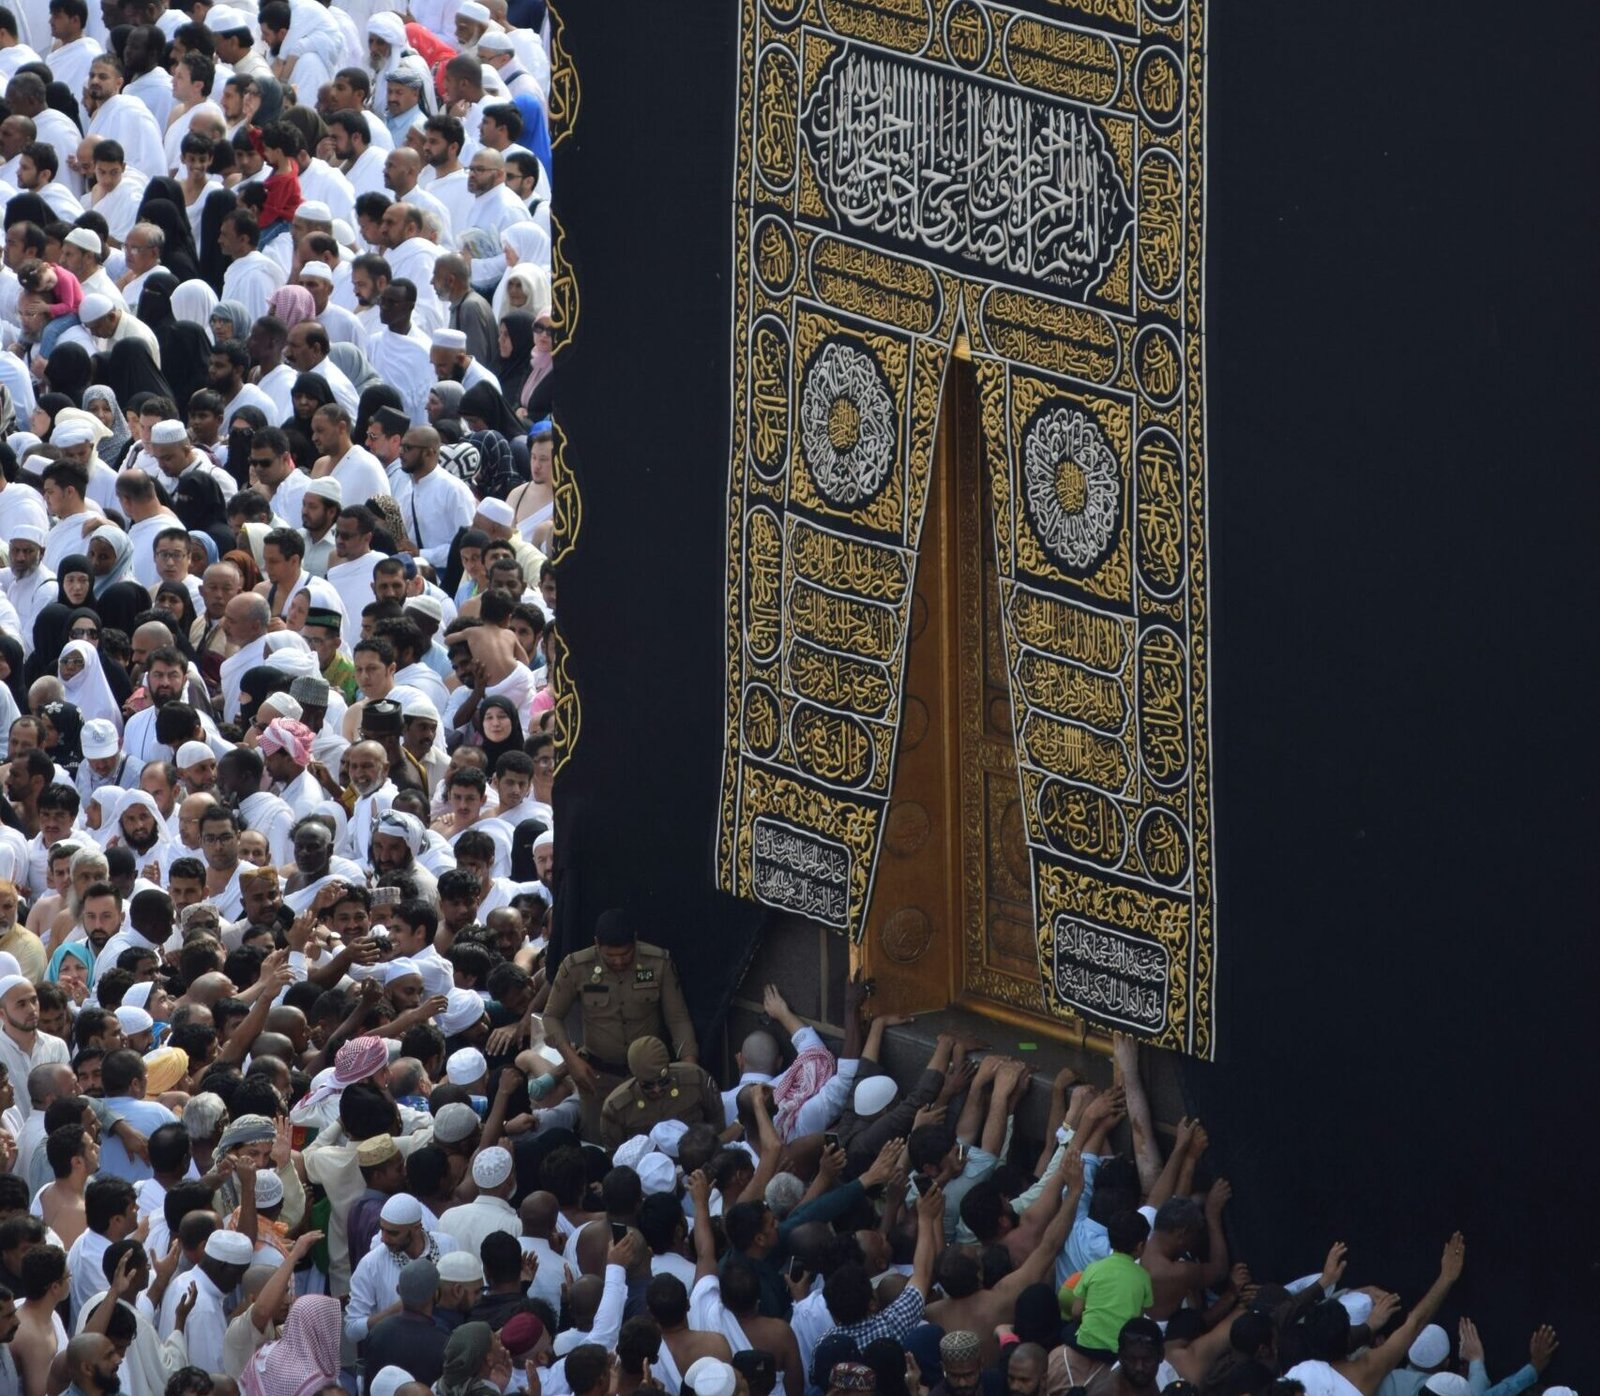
(830, 1140)
(921, 1182)
(797, 1269)
(618, 1230)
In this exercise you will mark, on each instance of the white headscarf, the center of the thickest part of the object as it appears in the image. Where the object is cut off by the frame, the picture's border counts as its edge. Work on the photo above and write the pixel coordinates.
(535, 286)
(106, 797)
(88, 690)
(194, 301)
(526, 239)
(130, 799)
(122, 562)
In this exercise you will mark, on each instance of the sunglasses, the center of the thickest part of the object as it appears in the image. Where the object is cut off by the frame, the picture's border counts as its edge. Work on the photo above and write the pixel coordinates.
(84, 633)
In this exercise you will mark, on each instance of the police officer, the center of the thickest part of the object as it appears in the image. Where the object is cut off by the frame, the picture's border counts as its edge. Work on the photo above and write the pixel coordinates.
(660, 1089)
(625, 989)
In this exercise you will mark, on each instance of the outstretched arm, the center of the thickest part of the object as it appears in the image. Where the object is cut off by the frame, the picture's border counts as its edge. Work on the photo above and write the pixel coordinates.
(1125, 1052)
(1369, 1370)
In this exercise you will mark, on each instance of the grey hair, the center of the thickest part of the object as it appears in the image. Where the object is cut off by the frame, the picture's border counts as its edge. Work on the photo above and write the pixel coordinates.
(203, 1115)
(783, 1194)
(156, 235)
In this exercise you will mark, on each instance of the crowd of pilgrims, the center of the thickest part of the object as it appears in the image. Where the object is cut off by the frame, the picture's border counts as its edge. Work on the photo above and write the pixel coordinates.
(281, 1108)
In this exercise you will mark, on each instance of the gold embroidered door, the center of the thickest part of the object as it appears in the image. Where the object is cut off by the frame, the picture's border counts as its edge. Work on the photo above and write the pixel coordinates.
(951, 919)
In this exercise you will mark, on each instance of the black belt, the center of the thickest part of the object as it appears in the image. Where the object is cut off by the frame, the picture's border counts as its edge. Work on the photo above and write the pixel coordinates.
(600, 1064)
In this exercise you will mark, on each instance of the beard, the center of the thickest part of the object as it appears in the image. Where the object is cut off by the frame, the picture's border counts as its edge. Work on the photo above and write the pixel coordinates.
(19, 570)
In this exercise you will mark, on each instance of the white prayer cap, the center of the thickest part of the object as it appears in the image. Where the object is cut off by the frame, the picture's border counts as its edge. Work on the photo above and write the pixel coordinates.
(496, 511)
(1447, 1384)
(93, 306)
(450, 339)
(35, 461)
(99, 739)
(545, 840)
(283, 705)
(389, 1380)
(139, 994)
(657, 1173)
(132, 1020)
(708, 1376)
(192, 754)
(343, 233)
(418, 705)
(10, 982)
(269, 1189)
(88, 240)
(874, 1094)
(167, 433)
(28, 533)
(230, 1247)
(428, 605)
(437, 976)
(472, 10)
(630, 1151)
(73, 433)
(665, 1136)
(224, 19)
(464, 1010)
(398, 968)
(314, 211)
(318, 271)
(491, 1167)
(465, 1066)
(1431, 1347)
(1357, 1305)
(462, 1267)
(401, 1210)
(495, 41)
(326, 487)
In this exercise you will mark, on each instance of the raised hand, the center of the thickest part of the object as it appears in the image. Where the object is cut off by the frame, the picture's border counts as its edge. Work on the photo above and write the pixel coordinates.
(698, 1186)
(930, 1207)
(186, 1306)
(882, 1167)
(1333, 1266)
(1542, 1347)
(282, 1141)
(1217, 1198)
(625, 1251)
(304, 1244)
(1454, 1259)
(1469, 1344)
(502, 1040)
(928, 1115)
(1384, 1307)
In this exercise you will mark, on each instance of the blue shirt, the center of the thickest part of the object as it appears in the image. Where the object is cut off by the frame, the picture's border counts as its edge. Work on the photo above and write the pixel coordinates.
(146, 1116)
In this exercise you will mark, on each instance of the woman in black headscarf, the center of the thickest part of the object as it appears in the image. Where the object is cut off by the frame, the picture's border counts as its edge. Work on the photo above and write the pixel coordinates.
(378, 395)
(197, 501)
(178, 252)
(28, 208)
(310, 392)
(522, 838)
(64, 740)
(213, 262)
(75, 580)
(12, 668)
(120, 604)
(502, 732)
(129, 369)
(256, 685)
(484, 408)
(69, 370)
(516, 352)
(185, 348)
(50, 636)
(46, 408)
(177, 602)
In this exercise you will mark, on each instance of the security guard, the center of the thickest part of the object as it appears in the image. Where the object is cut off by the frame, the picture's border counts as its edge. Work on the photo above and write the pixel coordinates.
(661, 1089)
(625, 989)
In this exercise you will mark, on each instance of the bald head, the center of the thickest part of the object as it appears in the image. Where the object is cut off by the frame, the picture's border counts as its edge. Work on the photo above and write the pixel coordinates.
(759, 1053)
(246, 618)
(401, 166)
(208, 988)
(538, 1212)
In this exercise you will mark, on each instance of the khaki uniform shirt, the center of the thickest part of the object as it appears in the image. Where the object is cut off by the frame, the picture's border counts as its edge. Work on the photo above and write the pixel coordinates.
(645, 1000)
(693, 1098)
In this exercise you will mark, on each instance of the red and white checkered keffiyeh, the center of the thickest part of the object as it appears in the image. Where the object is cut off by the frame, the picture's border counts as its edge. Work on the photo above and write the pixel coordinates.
(809, 1073)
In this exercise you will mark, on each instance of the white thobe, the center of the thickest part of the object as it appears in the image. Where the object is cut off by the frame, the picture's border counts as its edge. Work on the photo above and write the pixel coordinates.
(120, 208)
(271, 817)
(251, 280)
(142, 538)
(154, 89)
(278, 385)
(451, 191)
(251, 656)
(319, 181)
(360, 476)
(366, 171)
(252, 395)
(27, 597)
(68, 537)
(498, 210)
(71, 62)
(353, 581)
(131, 123)
(434, 508)
(406, 367)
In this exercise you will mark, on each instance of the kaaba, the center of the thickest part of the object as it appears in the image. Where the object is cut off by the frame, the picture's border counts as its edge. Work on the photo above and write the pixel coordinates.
(1087, 503)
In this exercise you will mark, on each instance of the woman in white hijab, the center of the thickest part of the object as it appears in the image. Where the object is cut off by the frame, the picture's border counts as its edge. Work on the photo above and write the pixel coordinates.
(533, 286)
(99, 815)
(86, 684)
(194, 301)
(109, 547)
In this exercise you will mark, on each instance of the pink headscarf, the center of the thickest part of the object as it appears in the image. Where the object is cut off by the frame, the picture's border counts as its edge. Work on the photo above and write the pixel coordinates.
(305, 1358)
(290, 735)
(292, 304)
(358, 1059)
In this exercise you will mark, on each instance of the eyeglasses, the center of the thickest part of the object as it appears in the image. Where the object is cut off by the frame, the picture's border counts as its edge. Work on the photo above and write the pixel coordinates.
(84, 633)
(171, 554)
(261, 463)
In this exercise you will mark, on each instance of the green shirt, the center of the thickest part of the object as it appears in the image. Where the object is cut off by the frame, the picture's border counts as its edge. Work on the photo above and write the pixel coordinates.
(341, 676)
(1113, 1290)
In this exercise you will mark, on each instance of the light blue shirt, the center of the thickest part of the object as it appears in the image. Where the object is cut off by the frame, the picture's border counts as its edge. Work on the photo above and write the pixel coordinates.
(146, 1116)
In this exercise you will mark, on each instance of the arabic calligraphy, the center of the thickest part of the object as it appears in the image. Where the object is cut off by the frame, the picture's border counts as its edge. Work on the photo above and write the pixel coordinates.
(1007, 182)
(800, 870)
